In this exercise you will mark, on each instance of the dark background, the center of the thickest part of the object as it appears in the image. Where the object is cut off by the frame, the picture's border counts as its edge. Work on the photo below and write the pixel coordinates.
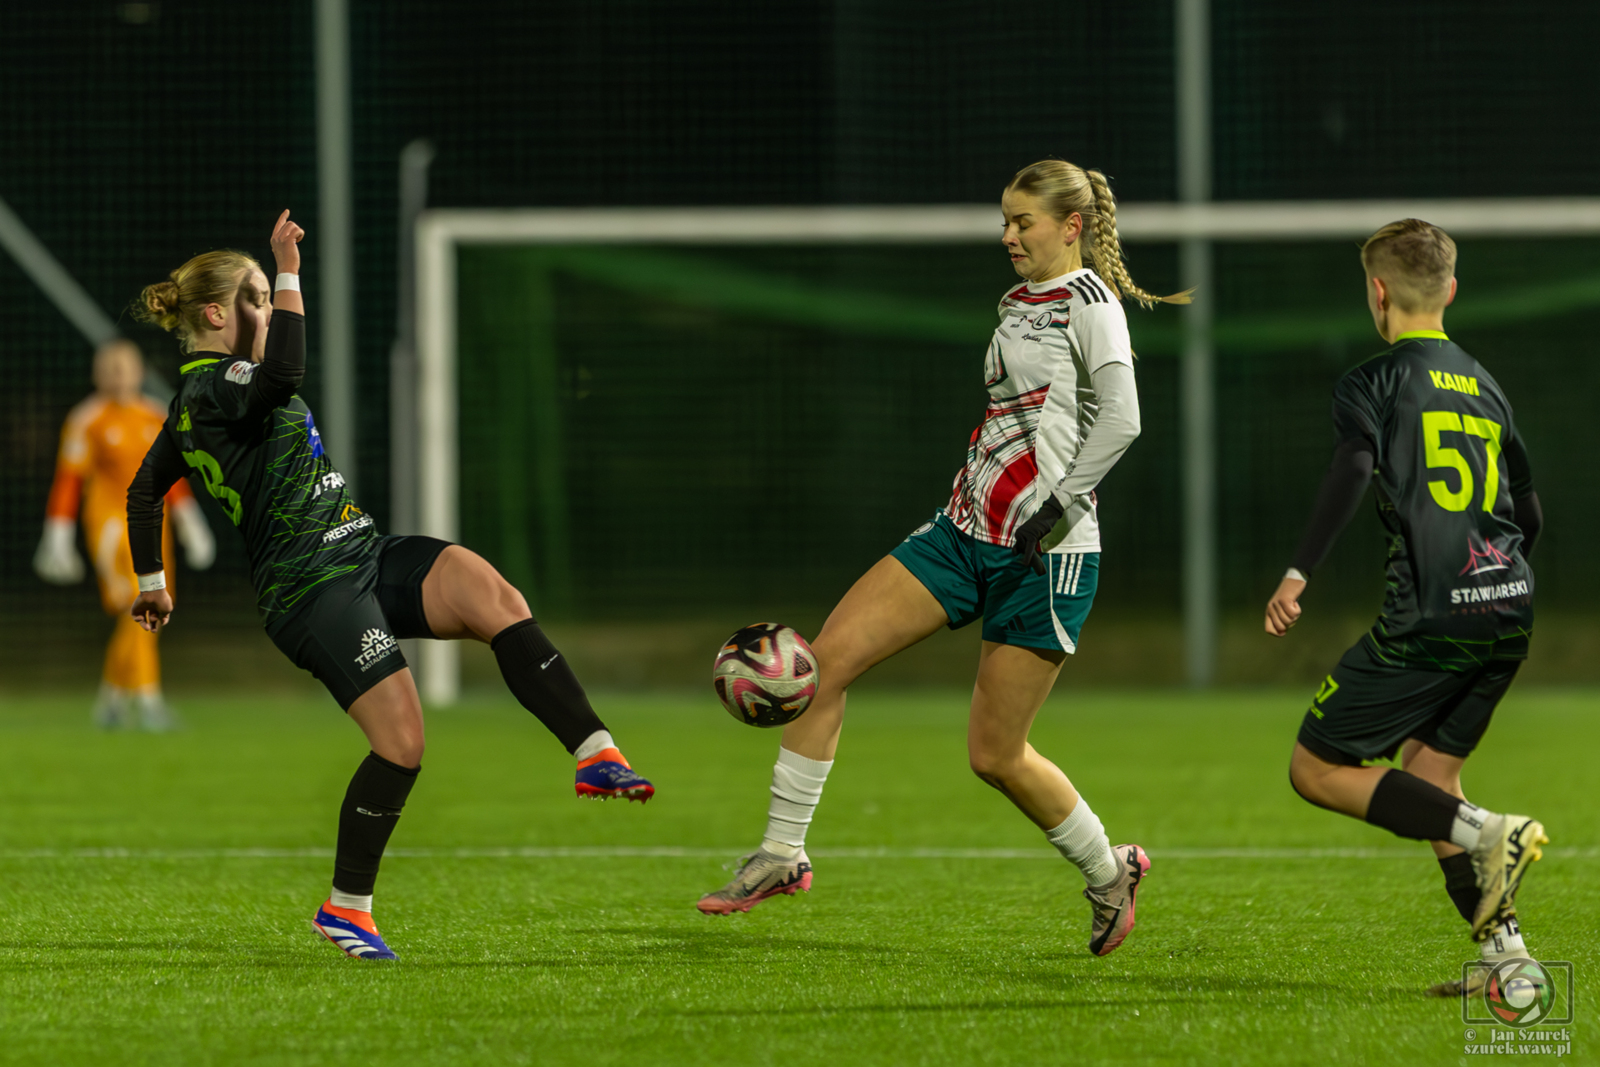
(134, 136)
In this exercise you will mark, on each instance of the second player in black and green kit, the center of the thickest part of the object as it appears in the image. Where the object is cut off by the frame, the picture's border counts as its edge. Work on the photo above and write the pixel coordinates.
(1434, 433)
(1455, 493)
(1431, 430)
(334, 595)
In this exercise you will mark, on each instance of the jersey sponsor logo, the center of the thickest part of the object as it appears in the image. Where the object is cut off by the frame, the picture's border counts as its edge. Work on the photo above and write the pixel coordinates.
(327, 483)
(240, 372)
(348, 528)
(314, 435)
(375, 645)
(1483, 594)
(1456, 383)
(1490, 559)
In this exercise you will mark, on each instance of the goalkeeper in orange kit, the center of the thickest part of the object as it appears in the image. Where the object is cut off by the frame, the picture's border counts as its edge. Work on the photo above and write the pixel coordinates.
(102, 444)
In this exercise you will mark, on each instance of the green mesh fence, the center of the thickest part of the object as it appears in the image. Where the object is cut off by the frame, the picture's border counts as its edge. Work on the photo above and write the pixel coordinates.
(670, 431)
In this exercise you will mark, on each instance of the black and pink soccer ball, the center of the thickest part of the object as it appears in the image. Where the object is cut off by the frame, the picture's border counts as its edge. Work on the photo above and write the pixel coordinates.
(765, 675)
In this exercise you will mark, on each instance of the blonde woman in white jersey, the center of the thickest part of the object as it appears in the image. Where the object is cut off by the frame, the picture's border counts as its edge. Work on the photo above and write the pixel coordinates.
(1018, 546)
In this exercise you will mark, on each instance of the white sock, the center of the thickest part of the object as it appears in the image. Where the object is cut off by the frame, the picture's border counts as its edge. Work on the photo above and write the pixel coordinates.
(1468, 825)
(1082, 839)
(594, 744)
(796, 788)
(1504, 943)
(350, 900)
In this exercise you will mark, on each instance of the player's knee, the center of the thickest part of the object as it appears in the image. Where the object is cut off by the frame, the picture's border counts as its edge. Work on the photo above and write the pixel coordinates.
(1304, 779)
(401, 746)
(512, 604)
(835, 668)
(408, 753)
(993, 766)
(485, 601)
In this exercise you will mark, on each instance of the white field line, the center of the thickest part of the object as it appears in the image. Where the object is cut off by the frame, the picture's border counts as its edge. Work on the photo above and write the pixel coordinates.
(673, 852)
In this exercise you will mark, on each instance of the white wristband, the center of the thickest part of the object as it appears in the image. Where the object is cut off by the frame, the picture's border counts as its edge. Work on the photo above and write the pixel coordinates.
(287, 282)
(1296, 575)
(149, 583)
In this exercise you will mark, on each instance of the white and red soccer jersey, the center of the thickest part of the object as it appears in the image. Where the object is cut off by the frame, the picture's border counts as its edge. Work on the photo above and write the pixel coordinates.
(1052, 337)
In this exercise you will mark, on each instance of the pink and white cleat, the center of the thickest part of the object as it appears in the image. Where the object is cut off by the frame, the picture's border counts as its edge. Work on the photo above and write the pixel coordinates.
(1112, 903)
(761, 875)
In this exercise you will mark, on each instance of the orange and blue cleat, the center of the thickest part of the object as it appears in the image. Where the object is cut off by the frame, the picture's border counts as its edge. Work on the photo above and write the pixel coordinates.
(606, 774)
(353, 932)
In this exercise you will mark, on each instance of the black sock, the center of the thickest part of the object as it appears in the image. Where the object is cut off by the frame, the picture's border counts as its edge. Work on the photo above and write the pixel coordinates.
(366, 819)
(1407, 806)
(1461, 882)
(542, 682)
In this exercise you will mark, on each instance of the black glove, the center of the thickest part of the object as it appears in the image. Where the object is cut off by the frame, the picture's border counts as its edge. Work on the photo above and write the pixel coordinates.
(1030, 533)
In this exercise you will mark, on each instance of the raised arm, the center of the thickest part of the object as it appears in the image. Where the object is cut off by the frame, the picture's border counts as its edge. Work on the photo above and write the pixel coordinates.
(283, 364)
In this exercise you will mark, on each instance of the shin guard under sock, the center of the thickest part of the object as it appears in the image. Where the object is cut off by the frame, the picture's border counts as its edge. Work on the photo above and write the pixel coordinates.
(1461, 882)
(1407, 806)
(538, 676)
(371, 808)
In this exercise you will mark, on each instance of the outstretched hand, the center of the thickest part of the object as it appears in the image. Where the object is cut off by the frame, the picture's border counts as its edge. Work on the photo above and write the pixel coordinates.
(286, 237)
(152, 610)
(1283, 610)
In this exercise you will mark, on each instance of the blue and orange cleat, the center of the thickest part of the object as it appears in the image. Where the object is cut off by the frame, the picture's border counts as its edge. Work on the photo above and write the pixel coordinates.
(353, 932)
(606, 774)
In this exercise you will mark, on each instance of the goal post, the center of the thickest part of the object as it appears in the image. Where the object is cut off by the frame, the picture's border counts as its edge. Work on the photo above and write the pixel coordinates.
(439, 234)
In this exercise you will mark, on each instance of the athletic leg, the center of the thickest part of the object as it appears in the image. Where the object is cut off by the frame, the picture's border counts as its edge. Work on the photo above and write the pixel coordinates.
(1012, 685)
(463, 596)
(887, 610)
(1503, 938)
(1501, 846)
(390, 714)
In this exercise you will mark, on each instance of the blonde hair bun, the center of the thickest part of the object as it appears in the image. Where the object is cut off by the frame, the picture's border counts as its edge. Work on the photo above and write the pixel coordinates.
(161, 301)
(178, 304)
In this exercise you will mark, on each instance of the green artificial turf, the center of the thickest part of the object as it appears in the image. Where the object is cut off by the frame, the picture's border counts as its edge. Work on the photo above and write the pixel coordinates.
(155, 893)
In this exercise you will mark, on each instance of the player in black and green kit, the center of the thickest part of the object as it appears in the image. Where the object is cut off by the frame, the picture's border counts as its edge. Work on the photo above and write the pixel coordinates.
(1430, 427)
(335, 595)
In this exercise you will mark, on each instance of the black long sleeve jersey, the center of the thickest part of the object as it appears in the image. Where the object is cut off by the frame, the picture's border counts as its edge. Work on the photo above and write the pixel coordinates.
(238, 430)
(1455, 495)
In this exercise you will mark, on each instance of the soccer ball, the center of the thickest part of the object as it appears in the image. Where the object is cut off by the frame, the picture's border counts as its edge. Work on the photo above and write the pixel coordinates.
(765, 675)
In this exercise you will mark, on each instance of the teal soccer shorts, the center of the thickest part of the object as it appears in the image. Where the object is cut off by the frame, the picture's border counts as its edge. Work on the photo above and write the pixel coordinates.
(972, 580)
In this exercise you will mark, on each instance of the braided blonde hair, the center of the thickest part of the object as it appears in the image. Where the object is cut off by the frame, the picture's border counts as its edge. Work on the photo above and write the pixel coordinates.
(1066, 188)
